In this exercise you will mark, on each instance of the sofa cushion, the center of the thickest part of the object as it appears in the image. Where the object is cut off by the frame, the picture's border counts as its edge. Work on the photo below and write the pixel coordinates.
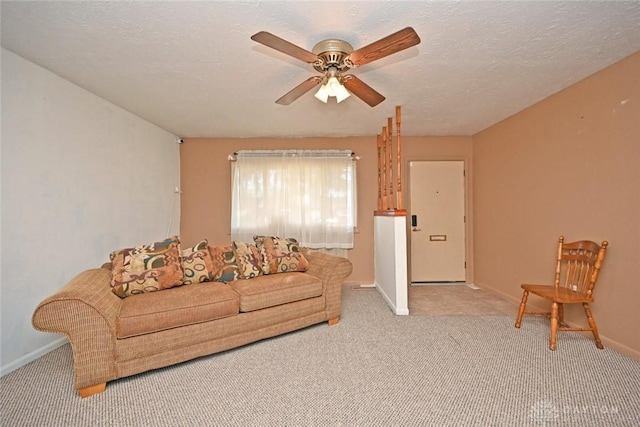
(146, 268)
(224, 262)
(280, 255)
(248, 259)
(197, 264)
(180, 306)
(271, 290)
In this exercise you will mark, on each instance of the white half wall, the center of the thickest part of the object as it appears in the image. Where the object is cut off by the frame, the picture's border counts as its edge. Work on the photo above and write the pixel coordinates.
(81, 177)
(391, 261)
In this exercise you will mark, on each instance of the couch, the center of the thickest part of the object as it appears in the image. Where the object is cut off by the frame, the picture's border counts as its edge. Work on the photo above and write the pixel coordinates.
(112, 336)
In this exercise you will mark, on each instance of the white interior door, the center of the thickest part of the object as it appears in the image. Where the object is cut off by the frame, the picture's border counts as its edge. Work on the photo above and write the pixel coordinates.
(437, 221)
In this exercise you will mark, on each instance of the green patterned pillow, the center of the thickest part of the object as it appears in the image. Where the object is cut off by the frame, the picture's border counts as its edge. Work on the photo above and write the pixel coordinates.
(146, 268)
(224, 263)
(248, 259)
(197, 264)
(280, 255)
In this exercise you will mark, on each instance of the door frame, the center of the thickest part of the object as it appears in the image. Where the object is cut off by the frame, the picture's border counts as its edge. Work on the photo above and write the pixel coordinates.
(468, 208)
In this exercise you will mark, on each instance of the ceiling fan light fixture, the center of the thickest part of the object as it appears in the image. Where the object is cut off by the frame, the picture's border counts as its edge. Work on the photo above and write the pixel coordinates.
(333, 84)
(333, 87)
(322, 94)
(341, 93)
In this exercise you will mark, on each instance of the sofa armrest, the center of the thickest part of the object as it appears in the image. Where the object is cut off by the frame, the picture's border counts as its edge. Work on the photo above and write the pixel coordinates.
(84, 310)
(332, 270)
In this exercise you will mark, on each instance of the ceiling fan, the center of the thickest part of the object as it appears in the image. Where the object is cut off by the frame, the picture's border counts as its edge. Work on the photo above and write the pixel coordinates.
(333, 58)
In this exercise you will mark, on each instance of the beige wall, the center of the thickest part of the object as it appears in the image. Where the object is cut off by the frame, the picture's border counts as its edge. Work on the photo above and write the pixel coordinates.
(206, 184)
(568, 165)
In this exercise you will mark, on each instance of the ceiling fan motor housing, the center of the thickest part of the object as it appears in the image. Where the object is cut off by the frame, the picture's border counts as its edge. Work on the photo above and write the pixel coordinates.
(332, 53)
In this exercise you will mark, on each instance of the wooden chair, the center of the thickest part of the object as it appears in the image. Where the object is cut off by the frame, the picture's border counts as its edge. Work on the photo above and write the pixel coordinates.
(577, 268)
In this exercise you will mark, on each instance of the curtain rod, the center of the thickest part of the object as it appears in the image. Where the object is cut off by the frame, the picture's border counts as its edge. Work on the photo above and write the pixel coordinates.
(293, 153)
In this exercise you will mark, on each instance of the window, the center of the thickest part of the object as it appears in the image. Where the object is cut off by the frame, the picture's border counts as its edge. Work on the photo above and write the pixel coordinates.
(308, 195)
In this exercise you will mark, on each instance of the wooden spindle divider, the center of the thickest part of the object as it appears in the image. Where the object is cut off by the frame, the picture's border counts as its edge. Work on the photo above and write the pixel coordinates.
(379, 173)
(399, 151)
(390, 203)
(385, 205)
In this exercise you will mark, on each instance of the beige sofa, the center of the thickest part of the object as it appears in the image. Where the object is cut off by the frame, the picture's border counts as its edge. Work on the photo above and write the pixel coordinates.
(113, 337)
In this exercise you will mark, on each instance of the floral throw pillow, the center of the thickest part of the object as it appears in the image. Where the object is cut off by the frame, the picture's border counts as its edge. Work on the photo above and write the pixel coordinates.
(224, 263)
(280, 255)
(197, 264)
(146, 268)
(248, 259)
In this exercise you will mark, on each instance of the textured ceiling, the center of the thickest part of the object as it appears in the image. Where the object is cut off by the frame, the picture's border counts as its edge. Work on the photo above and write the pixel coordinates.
(192, 69)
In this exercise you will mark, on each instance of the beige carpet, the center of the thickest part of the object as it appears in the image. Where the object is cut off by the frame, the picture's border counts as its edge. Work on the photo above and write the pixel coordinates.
(372, 369)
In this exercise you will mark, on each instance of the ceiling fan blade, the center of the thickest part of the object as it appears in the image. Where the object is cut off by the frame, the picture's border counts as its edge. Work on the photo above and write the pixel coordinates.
(284, 46)
(396, 42)
(362, 90)
(299, 90)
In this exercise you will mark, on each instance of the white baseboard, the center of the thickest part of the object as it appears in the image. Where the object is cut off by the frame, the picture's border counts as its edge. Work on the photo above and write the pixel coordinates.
(30, 357)
(392, 304)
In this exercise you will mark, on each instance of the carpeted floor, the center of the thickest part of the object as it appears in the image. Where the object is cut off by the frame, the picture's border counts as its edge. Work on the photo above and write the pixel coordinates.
(373, 368)
(457, 300)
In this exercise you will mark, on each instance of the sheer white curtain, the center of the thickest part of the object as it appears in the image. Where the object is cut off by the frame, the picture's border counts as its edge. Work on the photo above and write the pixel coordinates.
(308, 195)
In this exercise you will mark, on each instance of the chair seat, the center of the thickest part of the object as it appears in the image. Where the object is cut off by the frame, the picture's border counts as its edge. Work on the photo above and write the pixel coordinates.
(559, 295)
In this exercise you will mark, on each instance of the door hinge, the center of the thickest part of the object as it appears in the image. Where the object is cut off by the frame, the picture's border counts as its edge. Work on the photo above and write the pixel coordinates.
(465, 264)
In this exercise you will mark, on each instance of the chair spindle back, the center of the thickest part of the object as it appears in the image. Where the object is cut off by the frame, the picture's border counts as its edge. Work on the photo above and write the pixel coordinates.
(578, 265)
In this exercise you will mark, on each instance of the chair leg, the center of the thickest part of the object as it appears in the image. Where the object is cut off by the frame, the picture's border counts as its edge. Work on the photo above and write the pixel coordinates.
(592, 325)
(554, 325)
(561, 314)
(523, 304)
